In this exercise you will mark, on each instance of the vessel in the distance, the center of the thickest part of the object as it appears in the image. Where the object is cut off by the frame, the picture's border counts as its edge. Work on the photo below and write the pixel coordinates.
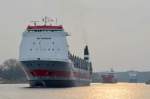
(47, 60)
(109, 77)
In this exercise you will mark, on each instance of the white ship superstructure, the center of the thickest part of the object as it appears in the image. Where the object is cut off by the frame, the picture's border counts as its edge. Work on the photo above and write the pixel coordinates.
(44, 44)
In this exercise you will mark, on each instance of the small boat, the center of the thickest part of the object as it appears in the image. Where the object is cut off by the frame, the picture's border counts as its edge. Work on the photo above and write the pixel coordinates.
(109, 77)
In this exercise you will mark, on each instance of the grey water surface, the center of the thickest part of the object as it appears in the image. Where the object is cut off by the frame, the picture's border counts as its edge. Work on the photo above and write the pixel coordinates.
(95, 91)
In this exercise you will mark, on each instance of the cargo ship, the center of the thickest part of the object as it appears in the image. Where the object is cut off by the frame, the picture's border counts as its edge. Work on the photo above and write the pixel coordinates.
(109, 77)
(47, 61)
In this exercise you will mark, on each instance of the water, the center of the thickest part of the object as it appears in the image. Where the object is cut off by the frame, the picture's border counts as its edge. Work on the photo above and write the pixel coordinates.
(95, 91)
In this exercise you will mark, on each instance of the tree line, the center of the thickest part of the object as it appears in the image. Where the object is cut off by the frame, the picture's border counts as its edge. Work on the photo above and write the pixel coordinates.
(12, 72)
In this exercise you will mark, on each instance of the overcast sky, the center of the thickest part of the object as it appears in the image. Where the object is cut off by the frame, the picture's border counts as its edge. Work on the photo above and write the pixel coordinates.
(117, 31)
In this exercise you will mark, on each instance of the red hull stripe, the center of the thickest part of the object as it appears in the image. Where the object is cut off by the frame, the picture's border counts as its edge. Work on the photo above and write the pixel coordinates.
(47, 73)
(45, 27)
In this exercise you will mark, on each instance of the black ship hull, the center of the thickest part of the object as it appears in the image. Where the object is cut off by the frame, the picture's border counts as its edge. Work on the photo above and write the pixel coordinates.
(57, 83)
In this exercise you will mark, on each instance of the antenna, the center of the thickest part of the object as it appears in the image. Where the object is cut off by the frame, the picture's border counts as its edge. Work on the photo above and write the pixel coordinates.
(45, 20)
(48, 20)
(56, 21)
(34, 22)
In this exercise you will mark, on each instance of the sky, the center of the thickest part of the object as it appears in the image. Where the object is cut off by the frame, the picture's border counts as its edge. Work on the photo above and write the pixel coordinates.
(116, 31)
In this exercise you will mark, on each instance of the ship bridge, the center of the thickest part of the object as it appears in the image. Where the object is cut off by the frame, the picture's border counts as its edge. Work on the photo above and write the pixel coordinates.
(44, 42)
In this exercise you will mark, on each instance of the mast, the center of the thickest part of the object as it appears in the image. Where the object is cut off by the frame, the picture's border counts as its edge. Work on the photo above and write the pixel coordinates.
(86, 53)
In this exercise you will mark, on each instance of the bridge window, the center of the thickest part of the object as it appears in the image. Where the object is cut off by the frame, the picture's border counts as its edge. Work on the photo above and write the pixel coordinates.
(52, 49)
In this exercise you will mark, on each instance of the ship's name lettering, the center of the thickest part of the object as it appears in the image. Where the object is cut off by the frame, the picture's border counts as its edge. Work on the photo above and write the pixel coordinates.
(43, 38)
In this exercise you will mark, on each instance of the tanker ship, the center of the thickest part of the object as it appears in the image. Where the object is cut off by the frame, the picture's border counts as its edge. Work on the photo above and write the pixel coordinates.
(47, 61)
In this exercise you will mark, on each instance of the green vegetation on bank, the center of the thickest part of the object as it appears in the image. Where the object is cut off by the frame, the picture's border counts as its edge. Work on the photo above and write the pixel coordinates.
(12, 72)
